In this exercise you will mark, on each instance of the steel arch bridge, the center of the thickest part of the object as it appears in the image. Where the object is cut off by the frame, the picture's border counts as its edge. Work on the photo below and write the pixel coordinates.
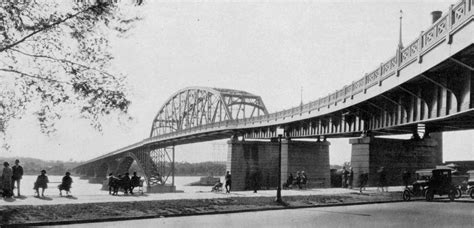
(197, 106)
(429, 83)
(187, 109)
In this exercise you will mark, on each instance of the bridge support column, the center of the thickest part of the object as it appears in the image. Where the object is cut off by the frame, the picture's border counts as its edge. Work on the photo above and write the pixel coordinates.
(395, 155)
(245, 159)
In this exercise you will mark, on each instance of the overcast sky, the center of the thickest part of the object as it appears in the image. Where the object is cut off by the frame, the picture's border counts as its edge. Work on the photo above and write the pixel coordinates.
(272, 49)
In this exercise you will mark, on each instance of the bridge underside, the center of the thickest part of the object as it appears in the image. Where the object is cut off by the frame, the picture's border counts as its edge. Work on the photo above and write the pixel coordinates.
(440, 98)
(427, 86)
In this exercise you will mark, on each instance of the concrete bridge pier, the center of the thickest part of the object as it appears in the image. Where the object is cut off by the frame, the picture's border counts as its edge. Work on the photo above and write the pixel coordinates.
(258, 160)
(395, 155)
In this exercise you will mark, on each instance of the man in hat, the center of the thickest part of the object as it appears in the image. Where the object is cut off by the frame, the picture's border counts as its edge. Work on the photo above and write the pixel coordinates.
(17, 175)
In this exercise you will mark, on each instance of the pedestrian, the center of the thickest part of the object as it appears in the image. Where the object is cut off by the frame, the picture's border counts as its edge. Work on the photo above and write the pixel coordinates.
(126, 184)
(228, 182)
(304, 179)
(7, 180)
(344, 177)
(134, 182)
(41, 182)
(289, 181)
(363, 179)
(65, 184)
(256, 180)
(298, 179)
(111, 183)
(382, 178)
(406, 178)
(17, 175)
(350, 176)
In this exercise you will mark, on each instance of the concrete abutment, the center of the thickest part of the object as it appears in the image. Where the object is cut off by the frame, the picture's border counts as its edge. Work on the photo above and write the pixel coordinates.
(258, 160)
(395, 155)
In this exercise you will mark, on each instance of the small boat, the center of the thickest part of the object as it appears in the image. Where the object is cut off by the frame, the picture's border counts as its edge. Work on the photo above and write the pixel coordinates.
(206, 181)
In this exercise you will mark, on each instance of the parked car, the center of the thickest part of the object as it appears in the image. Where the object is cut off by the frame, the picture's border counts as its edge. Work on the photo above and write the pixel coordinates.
(470, 183)
(420, 184)
(440, 184)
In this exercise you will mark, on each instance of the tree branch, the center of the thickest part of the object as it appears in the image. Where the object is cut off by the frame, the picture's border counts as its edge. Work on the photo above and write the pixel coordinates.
(45, 27)
(64, 61)
(33, 76)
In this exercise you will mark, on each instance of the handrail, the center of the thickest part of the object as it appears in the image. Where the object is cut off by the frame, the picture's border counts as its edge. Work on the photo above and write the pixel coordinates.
(457, 14)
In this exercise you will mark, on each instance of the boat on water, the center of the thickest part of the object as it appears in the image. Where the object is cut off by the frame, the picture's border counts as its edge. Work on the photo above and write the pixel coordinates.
(206, 181)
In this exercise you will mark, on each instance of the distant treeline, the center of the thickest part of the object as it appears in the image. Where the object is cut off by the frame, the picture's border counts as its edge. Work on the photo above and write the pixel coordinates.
(33, 166)
(191, 169)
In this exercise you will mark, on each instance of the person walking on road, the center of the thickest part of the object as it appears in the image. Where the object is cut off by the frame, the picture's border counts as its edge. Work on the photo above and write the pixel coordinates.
(228, 182)
(17, 175)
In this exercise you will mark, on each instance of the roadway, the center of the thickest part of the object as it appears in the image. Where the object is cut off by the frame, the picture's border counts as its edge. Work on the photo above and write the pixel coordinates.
(402, 214)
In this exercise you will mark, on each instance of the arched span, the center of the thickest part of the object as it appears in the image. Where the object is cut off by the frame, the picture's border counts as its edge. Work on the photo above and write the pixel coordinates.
(197, 106)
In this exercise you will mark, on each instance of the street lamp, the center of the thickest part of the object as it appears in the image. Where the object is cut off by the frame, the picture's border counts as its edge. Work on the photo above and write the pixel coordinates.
(280, 132)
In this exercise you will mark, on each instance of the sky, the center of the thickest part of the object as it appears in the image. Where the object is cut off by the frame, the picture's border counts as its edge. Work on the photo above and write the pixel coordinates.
(274, 49)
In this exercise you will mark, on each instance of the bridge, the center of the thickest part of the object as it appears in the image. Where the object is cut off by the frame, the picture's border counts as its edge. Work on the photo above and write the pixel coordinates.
(426, 87)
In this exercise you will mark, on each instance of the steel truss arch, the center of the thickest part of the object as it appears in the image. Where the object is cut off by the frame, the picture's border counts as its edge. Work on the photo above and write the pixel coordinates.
(198, 106)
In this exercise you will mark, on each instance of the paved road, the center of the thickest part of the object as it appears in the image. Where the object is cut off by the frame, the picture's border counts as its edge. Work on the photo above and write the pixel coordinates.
(405, 214)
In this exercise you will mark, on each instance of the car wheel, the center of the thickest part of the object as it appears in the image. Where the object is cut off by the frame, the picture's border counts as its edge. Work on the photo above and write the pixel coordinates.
(429, 195)
(472, 193)
(452, 194)
(406, 195)
(458, 193)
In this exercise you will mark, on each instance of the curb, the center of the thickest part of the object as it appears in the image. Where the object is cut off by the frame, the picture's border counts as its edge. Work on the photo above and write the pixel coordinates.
(278, 207)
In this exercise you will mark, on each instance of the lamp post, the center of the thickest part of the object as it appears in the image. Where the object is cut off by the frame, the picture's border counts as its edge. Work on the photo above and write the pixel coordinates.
(280, 133)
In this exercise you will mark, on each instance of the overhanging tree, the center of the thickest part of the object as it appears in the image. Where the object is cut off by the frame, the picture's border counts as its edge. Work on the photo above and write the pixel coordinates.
(55, 60)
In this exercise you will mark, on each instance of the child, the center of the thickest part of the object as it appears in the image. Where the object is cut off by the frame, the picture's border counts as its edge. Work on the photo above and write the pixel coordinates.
(41, 182)
(65, 184)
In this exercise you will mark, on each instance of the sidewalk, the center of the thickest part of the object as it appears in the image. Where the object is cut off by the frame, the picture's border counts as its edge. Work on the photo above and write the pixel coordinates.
(103, 207)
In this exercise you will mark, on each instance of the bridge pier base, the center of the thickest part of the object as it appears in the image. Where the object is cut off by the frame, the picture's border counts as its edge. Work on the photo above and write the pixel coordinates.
(395, 155)
(250, 160)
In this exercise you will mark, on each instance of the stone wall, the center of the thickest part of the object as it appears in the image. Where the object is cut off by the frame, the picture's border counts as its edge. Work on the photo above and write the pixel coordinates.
(395, 155)
(250, 160)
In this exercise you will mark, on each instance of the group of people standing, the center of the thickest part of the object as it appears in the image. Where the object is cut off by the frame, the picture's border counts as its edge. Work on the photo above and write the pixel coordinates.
(10, 177)
(300, 180)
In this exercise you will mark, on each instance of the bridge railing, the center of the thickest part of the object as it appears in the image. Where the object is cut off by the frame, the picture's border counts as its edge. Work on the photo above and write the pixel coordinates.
(457, 15)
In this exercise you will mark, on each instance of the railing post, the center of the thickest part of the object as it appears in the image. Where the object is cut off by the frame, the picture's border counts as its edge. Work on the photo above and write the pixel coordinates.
(380, 74)
(399, 62)
(449, 25)
(365, 82)
(420, 47)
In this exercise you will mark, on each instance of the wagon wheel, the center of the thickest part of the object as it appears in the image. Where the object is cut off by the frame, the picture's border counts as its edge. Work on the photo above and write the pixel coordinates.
(429, 195)
(406, 195)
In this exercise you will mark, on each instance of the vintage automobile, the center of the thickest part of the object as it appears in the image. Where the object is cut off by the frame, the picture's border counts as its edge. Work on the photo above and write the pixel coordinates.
(419, 186)
(470, 183)
(440, 184)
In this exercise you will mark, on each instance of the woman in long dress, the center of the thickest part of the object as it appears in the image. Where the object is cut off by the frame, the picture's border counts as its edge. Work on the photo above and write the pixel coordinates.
(7, 180)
